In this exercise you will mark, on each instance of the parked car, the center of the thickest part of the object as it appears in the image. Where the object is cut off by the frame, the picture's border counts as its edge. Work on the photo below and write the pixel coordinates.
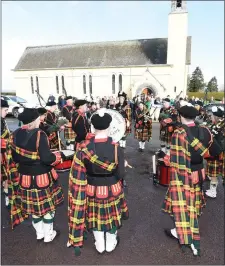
(15, 103)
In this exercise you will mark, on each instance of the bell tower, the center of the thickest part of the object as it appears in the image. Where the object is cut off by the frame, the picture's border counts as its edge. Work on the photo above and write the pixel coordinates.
(177, 45)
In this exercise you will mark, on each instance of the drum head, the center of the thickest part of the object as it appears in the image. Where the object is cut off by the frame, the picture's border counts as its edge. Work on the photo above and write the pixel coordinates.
(117, 127)
(68, 153)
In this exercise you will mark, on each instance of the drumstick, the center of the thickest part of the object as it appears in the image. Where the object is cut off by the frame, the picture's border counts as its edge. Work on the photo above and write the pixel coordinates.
(59, 144)
(129, 166)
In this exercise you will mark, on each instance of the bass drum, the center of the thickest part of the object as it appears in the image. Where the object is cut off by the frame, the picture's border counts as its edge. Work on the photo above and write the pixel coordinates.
(117, 127)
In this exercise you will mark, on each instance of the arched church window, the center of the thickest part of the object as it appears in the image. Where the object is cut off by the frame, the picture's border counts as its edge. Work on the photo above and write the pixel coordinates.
(37, 84)
(90, 84)
(32, 85)
(84, 84)
(113, 84)
(57, 84)
(120, 82)
(179, 3)
(175, 89)
(63, 84)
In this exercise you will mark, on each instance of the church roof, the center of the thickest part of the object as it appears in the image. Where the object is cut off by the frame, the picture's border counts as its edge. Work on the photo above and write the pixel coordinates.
(102, 54)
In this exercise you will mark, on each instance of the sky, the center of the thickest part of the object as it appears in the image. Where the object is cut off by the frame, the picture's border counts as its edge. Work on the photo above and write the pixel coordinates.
(34, 23)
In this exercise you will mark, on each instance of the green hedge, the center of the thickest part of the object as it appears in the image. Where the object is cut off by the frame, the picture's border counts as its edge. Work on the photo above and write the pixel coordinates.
(215, 95)
(8, 93)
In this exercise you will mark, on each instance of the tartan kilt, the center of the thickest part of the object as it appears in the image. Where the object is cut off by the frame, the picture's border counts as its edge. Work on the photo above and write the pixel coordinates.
(4, 175)
(144, 134)
(104, 215)
(195, 193)
(39, 201)
(69, 134)
(214, 168)
(53, 141)
(165, 136)
(128, 130)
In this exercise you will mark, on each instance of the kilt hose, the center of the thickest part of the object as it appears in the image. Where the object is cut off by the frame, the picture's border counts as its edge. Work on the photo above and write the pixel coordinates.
(69, 135)
(144, 134)
(214, 168)
(191, 200)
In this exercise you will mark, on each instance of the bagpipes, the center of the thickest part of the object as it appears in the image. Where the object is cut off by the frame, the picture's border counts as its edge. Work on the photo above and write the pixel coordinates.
(56, 127)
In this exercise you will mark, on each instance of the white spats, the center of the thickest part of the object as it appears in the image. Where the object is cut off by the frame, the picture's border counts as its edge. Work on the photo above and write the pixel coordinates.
(140, 145)
(111, 241)
(122, 143)
(174, 232)
(211, 193)
(6, 197)
(49, 233)
(99, 241)
(39, 228)
(143, 145)
(195, 251)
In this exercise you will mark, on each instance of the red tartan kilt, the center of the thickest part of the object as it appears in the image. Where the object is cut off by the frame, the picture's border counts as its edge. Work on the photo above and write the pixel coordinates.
(214, 168)
(53, 141)
(69, 134)
(39, 201)
(145, 135)
(103, 215)
(3, 167)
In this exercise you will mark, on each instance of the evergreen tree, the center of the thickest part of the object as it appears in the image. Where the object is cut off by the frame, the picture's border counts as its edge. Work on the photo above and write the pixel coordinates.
(196, 81)
(212, 85)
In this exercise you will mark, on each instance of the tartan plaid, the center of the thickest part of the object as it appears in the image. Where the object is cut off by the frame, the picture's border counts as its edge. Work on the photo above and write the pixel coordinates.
(184, 199)
(90, 213)
(143, 131)
(129, 118)
(53, 141)
(69, 134)
(214, 168)
(145, 134)
(3, 160)
(4, 138)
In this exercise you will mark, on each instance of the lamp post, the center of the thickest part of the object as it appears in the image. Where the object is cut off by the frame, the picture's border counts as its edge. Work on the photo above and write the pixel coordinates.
(206, 94)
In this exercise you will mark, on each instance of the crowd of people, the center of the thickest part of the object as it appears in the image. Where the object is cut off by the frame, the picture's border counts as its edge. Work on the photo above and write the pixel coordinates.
(96, 181)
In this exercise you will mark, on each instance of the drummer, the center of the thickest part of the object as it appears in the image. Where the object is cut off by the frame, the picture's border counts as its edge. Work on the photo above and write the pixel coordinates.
(33, 184)
(4, 138)
(80, 123)
(96, 197)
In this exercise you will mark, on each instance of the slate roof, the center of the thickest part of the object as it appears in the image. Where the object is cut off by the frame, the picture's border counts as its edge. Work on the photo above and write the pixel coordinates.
(102, 54)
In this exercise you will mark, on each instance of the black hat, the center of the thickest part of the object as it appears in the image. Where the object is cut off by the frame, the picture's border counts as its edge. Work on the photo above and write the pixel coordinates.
(51, 103)
(4, 104)
(188, 111)
(79, 103)
(199, 103)
(101, 120)
(166, 100)
(42, 111)
(217, 111)
(28, 115)
(122, 94)
(69, 98)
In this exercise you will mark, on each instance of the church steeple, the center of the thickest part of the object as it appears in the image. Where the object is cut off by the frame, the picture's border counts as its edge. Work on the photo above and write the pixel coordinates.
(178, 6)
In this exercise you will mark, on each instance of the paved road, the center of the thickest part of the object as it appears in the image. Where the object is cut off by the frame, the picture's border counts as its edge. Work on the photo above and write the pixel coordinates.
(142, 237)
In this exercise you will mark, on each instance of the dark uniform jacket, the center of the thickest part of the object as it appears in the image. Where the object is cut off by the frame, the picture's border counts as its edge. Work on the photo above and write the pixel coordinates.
(80, 126)
(67, 112)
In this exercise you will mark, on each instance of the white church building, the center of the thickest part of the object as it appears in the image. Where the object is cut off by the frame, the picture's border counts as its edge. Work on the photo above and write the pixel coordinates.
(159, 65)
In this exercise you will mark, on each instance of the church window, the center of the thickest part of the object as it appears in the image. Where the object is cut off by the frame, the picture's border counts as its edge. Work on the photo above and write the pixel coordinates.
(63, 84)
(90, 84)
(113, 84)
(120, 82)
(57, 84)
(32, 85)
(37, 84)
(84, 84)
(179, 3)
(175, 89)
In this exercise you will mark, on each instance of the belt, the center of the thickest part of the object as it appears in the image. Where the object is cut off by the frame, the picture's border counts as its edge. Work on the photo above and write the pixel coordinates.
(102, 180)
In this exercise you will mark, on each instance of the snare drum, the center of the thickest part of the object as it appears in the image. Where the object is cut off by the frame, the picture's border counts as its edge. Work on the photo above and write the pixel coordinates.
(163, 173)
(66, 164)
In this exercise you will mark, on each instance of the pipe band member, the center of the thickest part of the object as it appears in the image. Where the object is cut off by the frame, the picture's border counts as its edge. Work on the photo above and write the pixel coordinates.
(143, 126)
(96, 197)
(124, 109)
(51, 119)
(33, 182)
(80, 123)
(214, 167)
(92, 110)
(168, 118)
(67, 112)
(185, 198)
(4, 138)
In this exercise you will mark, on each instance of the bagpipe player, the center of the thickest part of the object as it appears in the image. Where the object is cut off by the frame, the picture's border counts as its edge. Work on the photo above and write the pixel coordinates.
(184, 199)
(33, 182)
(4, 139)
(96, 197)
